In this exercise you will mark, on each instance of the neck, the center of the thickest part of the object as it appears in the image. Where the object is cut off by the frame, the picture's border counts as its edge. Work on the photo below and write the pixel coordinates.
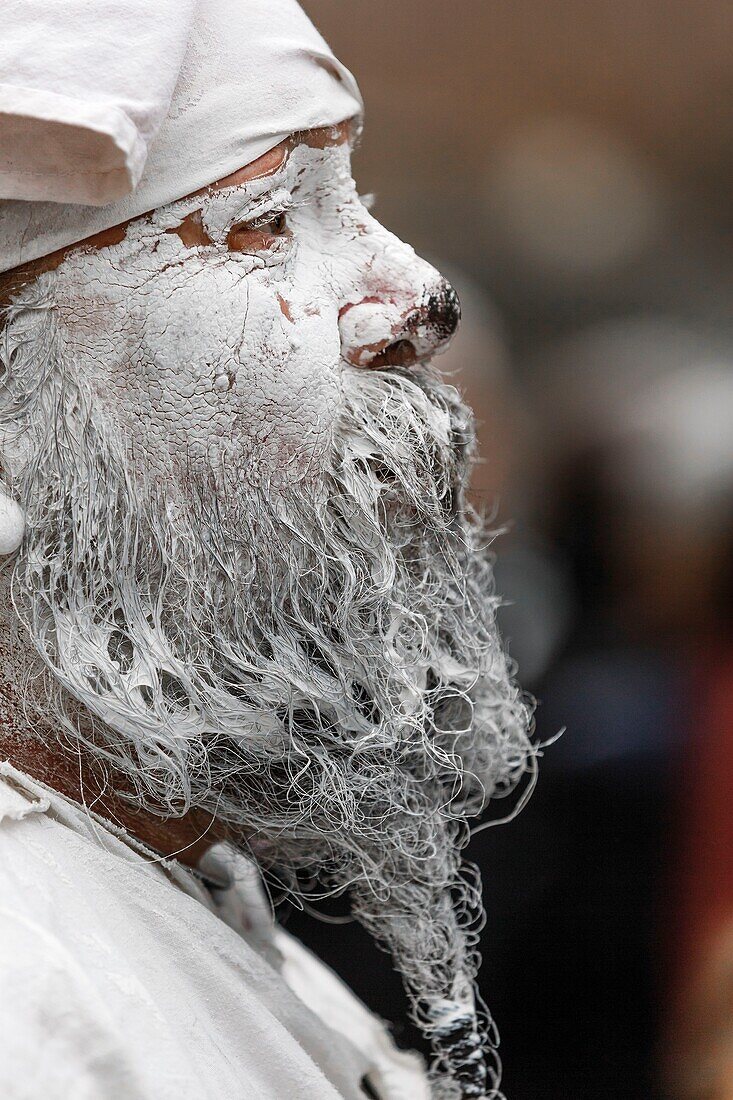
(36, 752)
(186, 838)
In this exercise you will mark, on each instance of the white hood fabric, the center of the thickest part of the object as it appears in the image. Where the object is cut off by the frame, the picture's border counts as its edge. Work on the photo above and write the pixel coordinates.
(84, 88)
(108, 110)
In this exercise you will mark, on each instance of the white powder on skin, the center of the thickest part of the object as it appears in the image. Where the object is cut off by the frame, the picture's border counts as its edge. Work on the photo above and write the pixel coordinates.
(207, 355)
(259, 574)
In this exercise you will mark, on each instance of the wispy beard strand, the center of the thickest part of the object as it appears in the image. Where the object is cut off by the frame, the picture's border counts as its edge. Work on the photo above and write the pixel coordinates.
(319, 666)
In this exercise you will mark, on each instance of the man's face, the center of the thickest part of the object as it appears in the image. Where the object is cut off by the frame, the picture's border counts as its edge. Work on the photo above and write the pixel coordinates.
(216, 333)
(248, 569)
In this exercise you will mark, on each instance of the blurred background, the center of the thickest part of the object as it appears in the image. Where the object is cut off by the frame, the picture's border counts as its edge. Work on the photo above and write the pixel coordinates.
(569, 166)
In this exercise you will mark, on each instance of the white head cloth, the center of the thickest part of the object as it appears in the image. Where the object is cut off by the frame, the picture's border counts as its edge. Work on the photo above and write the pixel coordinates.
(108, 110)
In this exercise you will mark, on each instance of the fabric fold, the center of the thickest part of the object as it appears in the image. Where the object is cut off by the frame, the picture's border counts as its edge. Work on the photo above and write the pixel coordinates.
(84, 88)
(110, 110)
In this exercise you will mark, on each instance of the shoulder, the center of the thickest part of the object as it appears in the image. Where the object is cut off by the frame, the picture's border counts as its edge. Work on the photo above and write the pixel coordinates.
(56, 1037)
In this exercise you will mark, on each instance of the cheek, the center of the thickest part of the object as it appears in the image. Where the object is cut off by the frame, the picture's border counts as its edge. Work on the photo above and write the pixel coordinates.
(223, 370)
(287, 391)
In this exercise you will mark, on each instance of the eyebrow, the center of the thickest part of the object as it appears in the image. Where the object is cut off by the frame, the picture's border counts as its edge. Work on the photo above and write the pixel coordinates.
(191, 229)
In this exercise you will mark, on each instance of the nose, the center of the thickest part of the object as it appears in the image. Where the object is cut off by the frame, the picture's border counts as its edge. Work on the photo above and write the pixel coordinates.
(388, 331)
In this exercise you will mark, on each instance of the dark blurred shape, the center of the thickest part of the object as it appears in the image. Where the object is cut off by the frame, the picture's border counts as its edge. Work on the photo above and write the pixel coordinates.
(569, 201)
(698, 1052)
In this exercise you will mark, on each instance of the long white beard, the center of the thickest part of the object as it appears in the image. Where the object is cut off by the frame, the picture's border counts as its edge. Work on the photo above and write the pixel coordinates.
(319, 667)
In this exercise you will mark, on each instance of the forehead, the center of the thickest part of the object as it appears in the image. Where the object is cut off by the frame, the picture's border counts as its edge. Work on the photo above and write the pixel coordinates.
(320, 138)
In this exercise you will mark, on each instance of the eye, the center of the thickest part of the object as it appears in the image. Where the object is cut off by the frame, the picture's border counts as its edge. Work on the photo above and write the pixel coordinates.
(278, 225)
(258, 234)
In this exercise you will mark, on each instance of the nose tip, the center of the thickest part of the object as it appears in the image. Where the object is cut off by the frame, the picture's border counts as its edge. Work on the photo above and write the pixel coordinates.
(443, 312)
(425, 330)
(376, 332)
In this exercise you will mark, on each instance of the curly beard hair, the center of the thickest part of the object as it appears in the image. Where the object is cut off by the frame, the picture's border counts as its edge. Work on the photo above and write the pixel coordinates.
(319, 666)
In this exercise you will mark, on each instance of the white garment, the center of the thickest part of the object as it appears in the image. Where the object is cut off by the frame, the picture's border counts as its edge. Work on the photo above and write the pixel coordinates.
(123, 978)
(84, 86)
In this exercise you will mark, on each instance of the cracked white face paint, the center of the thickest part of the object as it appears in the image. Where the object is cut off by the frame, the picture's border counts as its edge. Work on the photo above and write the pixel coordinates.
(222, 354)
(301, 640)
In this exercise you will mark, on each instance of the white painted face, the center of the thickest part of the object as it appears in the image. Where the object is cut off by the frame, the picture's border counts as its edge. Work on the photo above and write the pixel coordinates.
(292, 661)
(231, 353)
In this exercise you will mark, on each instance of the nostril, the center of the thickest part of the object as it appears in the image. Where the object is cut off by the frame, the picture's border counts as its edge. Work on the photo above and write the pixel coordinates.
(401, 353)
